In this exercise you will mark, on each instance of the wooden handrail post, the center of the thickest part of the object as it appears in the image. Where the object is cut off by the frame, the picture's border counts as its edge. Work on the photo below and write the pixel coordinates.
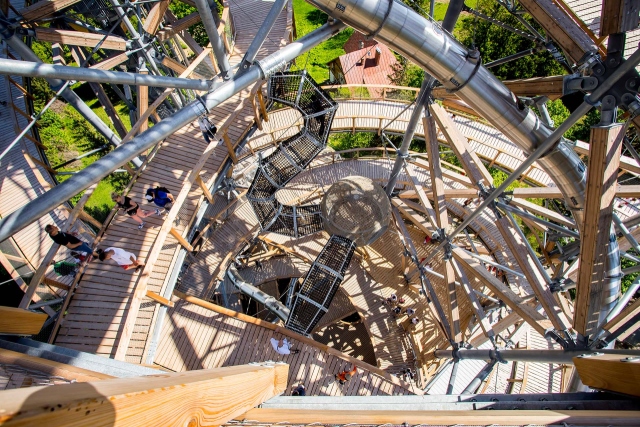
(230, 149)
(175, 233)
(203, 397)
(205, 190)
(256, 112)
(263, 107)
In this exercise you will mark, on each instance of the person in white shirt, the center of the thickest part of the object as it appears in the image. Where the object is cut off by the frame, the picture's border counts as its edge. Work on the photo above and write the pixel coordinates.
(124, 259)
(207, 128)
(282, 346)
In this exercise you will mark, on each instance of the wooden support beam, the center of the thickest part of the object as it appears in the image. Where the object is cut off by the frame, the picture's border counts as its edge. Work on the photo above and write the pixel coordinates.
(449, 193)
(45, 8)
(422, 197)
(178, 26)
(460, 145)
(285, 249)
(204, 397)
(111, 61)
(602, 173)
(534, 275)
(263, 416)
(561, 27)
(50, 367)
(178, 67)
(622, 318)
(544, 212)
(230, 148)
(175, 233)
(618, 16)
(442, 219)
(91, 220)
(417, 220)
(608, 372)
(143, 104)
(502, 291)
(446, 173)
(154, 18)
(501, 325)
(203, 187)
(78, 38)
(159, 299)
(20, 321)
(549, 86)
(626, 163)
(48, 258)
(55, 284)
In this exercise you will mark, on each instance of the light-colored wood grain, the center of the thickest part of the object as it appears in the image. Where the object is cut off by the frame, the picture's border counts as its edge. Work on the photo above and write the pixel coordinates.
(77, 38)
(45, 8)
(208, 397)
(20, 321)
(609, 372)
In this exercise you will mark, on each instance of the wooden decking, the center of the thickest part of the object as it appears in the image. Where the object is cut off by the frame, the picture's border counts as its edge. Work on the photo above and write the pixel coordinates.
(196, 338)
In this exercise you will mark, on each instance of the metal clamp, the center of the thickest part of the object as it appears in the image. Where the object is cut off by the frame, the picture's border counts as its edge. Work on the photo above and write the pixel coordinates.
(386, 15)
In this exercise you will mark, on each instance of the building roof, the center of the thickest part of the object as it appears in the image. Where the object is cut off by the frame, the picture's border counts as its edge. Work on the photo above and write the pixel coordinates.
(359, 66)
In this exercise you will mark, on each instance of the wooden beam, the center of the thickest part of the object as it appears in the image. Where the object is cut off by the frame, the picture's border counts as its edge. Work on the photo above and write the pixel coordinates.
(446, 173)
(609, 372)
(460, 145)
(110, 62)
(143, 103)
(205, 190)
(561, 27)
(618, 16)
(263, 416)
(534, 275)
(422, 197)
(20, 321)
(622, 318)
(417, 220)
(204, 397)
(626, 163)
(45, 8)
(48, 258)
(285, 249)
(178, 26)
(159, 299)
(178, 67)
(502, 291)
(602, 174)
(549, 86)
(175, 233)
(501, 325)
(230, 148)
(91, 220)
(544, 212)
(154, 18)
(50, 367)
(449, 193)
(78, 38)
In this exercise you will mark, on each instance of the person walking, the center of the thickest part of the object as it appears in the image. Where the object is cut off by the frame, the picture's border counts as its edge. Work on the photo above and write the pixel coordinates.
(161, 197)
(67, 240)
(283, 346)
(345, 376)
(208, 129)
(125, 259)
(132, 208)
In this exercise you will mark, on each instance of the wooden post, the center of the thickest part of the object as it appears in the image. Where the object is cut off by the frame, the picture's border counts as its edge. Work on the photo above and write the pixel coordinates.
(48, 258)
(609, 372)
(204, 189)
(604, 160)
(20, 321)
(143, 102)
(256, 113)
(204, 397)
(159, 299)
(230, 149)
(175, 233)
(263, 107)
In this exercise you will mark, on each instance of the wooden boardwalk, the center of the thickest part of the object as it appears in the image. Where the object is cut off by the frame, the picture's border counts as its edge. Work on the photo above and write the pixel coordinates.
(196, 338)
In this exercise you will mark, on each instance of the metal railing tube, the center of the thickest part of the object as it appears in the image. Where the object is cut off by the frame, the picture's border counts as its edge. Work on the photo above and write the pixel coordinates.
(212, 31)
(539, 356)
(93, 173)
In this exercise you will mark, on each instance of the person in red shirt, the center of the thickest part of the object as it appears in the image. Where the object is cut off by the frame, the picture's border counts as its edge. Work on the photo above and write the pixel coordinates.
(345, 376)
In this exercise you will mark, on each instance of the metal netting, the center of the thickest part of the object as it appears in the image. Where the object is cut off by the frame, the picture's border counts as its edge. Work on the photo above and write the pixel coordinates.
(320, 285)
(293, 155)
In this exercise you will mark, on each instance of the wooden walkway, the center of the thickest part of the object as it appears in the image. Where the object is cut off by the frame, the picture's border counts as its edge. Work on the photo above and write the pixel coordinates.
(196, 338)
(94, 319)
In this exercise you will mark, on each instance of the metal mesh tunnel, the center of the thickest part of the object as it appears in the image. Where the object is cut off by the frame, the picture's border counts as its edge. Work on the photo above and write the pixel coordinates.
(320, 285)
(294, 154)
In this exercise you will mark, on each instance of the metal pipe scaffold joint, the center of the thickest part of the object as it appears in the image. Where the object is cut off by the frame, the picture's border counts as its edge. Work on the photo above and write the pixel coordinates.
(49, 71)
(93, 173)
(539, 356)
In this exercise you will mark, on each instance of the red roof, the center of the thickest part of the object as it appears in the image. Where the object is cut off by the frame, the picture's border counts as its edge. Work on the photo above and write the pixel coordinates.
(354, 41)
(359, 66)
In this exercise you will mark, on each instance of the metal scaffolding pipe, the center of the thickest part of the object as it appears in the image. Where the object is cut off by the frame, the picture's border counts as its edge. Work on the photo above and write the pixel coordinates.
(262, 34)
(93, 173)
(536, 356)
(212, 31)
(532, 217)
(49, 71)
(269, 301)
(452, 378)
(477, 381)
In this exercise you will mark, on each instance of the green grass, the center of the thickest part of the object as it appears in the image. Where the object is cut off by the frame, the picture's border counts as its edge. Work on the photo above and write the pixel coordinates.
(307, 19)
(439, 11)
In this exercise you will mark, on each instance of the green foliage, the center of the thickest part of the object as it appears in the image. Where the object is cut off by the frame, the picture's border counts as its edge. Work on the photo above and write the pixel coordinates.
(197, 31)
(581, 129)
(406, 73)
(347, 141)
(307, 19)
(422, 7)
(495, 42)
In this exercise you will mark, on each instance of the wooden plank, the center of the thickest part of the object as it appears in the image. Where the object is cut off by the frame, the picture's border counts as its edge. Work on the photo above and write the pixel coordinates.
(178, 26)
(45, 8)
(154, 18)
(609, 372)
(503, 292)
(263, 416)
(77, 38)
(50, 367)
(175, 233)
(205, 190)
(458, 142)
(178, 67)
(602, 174)
(622, 318)
(534, 275)
(143, 103)
(20, 321)
(626, 163)
(111, 62)
(159, 299)
(549, 86)
(618, 16)
(544, 212)
(178, 398)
